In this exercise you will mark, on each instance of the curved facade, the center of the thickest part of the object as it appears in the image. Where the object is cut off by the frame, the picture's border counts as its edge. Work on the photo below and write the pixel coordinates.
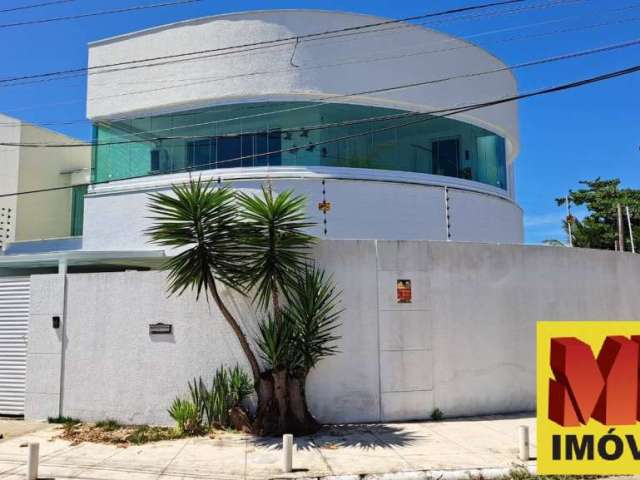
(287, 112)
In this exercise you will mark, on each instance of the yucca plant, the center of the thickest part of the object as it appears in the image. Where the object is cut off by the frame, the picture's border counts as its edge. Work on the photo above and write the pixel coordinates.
(275, 241)
(186, 415)
(229, 388)
(314, 313)
(200, 220)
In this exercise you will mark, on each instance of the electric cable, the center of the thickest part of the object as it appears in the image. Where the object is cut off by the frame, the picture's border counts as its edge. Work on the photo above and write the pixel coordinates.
(453, 111)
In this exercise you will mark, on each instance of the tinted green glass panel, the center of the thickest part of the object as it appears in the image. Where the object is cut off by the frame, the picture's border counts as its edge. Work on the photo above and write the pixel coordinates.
(299, 134)
(77, 209)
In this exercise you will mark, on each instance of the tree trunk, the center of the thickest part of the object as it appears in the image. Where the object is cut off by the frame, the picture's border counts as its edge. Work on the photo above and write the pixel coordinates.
(244, 343)
(266, 421)
(280, 390)
(283, 406)
(305, 422)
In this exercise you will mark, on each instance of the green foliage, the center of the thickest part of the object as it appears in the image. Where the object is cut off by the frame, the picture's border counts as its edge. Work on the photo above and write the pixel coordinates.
(274, 240)
(304, 331)
(276, 340)
(64, 420)
(209, 407)
(146, 434)
(186, 415)
(108, 425)
(202, 220)
(314, 313)
(599, 228)
(437, 415)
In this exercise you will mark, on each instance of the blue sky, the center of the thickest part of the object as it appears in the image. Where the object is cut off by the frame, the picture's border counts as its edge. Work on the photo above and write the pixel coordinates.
(580, 134)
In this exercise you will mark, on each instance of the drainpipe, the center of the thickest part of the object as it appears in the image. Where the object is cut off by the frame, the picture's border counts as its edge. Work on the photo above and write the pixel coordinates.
(62, 271)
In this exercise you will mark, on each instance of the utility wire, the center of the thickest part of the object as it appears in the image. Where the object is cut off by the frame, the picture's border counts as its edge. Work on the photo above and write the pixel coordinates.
(36, 5)
(261, 43)
(209, 79)
(430, 116)
(542, 61)
(97, 14)
(81, 72)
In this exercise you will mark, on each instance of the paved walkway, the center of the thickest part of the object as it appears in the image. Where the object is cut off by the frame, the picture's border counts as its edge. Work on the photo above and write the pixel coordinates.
(456, 445)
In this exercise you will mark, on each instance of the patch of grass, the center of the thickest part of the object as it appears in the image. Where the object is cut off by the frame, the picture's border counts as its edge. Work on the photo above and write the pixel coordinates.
(437, 415)
(146, 434)
(108, 425)
(63, 420)
(111, 432)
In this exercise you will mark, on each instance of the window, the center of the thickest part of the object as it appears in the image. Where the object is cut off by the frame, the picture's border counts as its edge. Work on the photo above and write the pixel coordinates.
(446, 157)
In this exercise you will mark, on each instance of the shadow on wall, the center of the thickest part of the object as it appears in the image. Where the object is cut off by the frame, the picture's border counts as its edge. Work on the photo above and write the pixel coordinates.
(363, 436)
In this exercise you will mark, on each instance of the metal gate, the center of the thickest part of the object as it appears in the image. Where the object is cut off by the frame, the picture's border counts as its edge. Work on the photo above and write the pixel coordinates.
(14, 323)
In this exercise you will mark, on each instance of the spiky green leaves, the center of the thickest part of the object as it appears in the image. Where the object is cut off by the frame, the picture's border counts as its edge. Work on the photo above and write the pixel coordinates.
(200, 221)
(275, 242)
(304, 331)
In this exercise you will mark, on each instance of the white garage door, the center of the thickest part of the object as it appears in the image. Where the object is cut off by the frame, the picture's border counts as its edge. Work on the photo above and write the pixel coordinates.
(14, 322)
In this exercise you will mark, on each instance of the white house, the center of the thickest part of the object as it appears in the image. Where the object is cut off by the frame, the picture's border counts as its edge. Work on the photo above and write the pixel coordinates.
(403, 192)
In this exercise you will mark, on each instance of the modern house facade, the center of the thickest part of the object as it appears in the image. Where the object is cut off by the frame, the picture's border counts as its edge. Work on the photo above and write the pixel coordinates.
(409, 183)
(316, 115)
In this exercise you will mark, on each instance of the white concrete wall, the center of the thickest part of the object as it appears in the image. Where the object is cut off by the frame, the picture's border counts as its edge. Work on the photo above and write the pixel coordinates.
(387, 205)
(45, 347)
(466, 344)
(380, 58)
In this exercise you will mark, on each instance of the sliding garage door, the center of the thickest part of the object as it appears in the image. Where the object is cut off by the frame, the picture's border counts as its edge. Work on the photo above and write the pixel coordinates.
(14, 322)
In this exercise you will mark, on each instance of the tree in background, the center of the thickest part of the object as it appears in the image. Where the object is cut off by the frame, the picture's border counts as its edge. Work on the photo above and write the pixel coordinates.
(599, 228)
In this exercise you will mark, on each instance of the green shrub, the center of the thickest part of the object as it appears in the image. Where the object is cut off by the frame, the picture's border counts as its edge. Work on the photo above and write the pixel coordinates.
(186, 415)
(108, 425)
(209, 406)
(437, 415)
(63, 420)
(146, 434)
(229, 388)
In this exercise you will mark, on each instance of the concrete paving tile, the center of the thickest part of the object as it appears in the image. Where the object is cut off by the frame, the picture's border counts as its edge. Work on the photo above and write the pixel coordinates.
(209, 457)
(268, 460)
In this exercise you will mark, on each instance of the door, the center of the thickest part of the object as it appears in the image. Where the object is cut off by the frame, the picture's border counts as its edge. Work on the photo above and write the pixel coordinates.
(14, 322)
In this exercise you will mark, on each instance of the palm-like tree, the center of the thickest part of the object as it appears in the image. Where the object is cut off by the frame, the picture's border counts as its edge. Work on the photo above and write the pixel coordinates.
(201, 222)
(255, 244)
(276, 243)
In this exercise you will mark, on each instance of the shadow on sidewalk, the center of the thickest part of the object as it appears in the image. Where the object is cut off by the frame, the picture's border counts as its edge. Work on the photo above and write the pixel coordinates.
(331, 437)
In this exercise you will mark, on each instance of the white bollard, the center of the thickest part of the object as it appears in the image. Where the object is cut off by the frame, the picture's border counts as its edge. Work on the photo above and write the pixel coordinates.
(287, 452)
(523, 432)
(32, 461)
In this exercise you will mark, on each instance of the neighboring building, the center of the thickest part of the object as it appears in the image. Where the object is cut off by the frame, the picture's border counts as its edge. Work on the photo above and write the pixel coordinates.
(39, 216)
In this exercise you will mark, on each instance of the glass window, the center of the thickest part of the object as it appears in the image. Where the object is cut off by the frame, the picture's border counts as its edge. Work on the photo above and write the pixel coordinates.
(445, 155)
(300, 134)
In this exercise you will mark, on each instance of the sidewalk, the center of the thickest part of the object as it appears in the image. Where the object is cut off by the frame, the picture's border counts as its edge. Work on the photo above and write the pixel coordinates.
(419, 449)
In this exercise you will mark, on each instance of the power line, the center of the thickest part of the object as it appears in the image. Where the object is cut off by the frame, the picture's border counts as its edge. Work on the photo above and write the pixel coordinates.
(430, 116)
(546, 60)
(208, 79)
(262, 43)
(36, 5)
(81, 72)
(97, 14)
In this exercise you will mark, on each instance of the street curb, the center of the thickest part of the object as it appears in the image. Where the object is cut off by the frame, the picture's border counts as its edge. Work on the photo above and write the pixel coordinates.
(483, 473)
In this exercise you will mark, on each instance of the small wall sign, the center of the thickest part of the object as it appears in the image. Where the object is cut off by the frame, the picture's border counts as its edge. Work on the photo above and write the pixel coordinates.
(403, 291)
(160, 329)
